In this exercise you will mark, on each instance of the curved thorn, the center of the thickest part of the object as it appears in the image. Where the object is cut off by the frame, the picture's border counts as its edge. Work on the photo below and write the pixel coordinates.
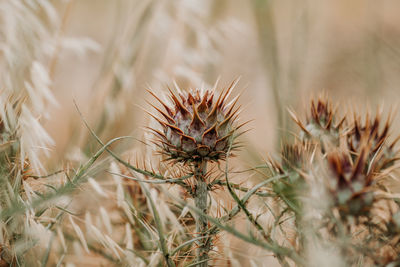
(161, 102)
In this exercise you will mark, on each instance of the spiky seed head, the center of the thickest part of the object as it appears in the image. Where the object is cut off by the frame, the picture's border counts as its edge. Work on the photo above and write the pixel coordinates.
(296, 156)
(295, 160)
(350, 182)
(197, 127)
(321, 113)
(321, 122)
(372, 131)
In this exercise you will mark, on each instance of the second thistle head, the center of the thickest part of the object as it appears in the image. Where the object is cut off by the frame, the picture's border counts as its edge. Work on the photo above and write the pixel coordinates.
(321, 124)
(351, 182)
(197, 125)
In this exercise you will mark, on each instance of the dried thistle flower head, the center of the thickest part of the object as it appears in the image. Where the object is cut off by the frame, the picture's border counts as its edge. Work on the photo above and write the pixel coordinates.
(351, 183)
(296, 159)
(321, 122)
(297, 156)
(370, 130)
(376, 135)
(196, 127)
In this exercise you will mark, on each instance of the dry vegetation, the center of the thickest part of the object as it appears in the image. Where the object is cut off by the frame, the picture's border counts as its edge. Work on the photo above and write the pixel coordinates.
(89, 178)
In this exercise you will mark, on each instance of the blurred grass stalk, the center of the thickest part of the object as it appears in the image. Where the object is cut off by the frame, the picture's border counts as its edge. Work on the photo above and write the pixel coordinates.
(266, 29)
(284, 64)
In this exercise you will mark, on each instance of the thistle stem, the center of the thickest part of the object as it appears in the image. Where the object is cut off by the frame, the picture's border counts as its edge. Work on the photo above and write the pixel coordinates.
(200, 199)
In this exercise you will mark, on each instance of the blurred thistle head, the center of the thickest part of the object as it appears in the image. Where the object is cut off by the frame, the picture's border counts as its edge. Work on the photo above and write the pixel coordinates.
(351, 182)
(369, 130)
(321, 122)
(376, 133)
(196, 127)
(297, 156)
(295, 160)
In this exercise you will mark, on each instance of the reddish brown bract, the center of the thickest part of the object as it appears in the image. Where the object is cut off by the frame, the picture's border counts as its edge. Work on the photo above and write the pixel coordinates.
(351, 182)
(196, 127)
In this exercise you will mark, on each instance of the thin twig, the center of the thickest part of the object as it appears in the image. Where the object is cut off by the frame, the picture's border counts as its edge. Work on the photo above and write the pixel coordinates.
(158, 181)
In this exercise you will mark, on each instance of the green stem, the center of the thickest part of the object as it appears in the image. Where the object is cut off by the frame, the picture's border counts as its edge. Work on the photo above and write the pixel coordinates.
(200, 199)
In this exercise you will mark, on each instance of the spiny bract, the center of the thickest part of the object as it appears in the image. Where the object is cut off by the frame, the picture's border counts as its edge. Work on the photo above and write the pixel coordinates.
(352, 182)
(321, 123)
(196, 127)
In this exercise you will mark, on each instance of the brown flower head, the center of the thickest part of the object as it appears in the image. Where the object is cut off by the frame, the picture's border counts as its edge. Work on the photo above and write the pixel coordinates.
(296, 156)
(321, 122)
(350, 182)
(196, 127)
(376, 135)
